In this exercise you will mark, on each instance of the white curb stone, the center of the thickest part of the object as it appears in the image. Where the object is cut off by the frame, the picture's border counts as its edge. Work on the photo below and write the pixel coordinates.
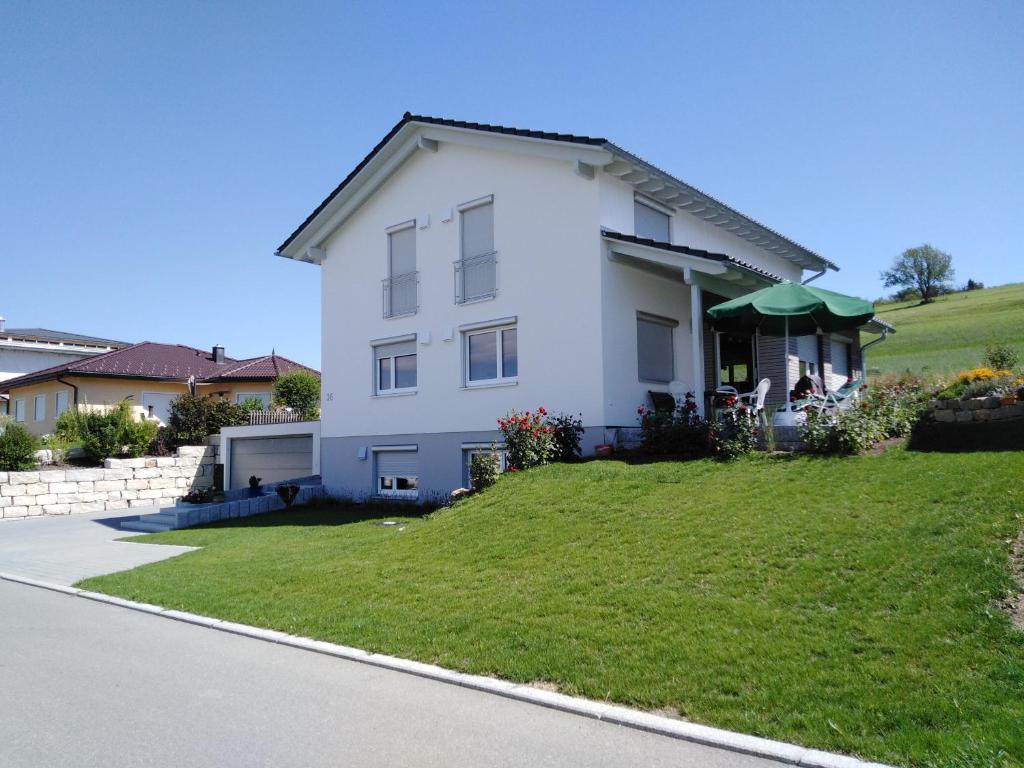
(611, 713)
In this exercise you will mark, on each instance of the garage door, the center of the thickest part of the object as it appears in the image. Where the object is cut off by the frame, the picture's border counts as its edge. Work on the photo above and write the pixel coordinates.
(271, 458)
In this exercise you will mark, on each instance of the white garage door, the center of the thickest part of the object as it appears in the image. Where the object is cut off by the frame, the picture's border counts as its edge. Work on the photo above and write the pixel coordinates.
(270, 458)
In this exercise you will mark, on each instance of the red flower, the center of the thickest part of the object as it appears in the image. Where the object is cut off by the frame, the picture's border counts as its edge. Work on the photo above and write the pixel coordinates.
(541, 411)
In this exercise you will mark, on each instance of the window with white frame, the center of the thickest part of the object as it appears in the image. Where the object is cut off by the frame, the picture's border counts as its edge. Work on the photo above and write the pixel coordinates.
(491, 355)
(60, 402)
(397, 472)
(19, 410)
(401, 286)
(263, 397)
(395, 367)
(481, 450)
(655, 353)
(651, 223)
(476, 270)
(39, 408)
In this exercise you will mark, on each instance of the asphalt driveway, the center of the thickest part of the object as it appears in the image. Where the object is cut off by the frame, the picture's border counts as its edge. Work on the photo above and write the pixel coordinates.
(90, 684)
(65, 549)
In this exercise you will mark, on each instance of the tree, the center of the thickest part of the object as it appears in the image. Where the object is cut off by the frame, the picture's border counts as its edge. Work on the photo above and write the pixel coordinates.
(925, 269)
(300, 391)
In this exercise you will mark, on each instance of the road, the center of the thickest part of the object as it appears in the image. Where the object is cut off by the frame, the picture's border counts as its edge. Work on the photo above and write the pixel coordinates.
(89, 684)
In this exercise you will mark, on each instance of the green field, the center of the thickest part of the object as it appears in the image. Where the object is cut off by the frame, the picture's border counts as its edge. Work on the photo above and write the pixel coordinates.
(949, 335)
(845, 604)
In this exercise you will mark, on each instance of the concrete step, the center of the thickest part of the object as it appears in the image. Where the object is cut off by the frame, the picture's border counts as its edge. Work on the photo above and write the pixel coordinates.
(145, 527)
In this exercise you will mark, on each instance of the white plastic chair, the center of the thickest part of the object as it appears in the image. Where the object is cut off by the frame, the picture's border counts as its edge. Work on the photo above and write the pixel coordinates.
(755, 399)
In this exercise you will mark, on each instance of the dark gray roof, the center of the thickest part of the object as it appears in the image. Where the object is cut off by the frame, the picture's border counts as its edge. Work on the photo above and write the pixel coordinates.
(570, 138)
(45, 334)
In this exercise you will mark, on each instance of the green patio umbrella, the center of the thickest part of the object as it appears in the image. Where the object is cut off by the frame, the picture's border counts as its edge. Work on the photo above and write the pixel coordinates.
(791, 308)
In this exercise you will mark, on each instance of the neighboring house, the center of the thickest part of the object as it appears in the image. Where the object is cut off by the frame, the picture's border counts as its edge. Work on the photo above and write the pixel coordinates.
(23, 350)
(149, 375)
(469, 269)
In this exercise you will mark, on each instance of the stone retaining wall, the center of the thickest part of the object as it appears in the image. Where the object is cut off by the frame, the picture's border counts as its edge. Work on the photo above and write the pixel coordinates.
(976, 409)
(118, 484)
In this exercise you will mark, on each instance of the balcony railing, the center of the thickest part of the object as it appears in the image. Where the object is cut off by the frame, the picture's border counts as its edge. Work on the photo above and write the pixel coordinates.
(401, 294)
(476, 277)
(274, 417)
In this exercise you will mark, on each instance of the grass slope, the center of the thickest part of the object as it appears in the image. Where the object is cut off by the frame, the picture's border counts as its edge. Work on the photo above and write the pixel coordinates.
(842, 604)
(950, 334)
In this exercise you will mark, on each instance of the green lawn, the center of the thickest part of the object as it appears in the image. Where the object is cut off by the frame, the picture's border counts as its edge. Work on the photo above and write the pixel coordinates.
(846, 604)
(950, 334)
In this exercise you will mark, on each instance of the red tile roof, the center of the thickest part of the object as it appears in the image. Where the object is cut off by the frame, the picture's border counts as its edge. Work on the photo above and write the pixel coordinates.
(169, 362)
(268, 367)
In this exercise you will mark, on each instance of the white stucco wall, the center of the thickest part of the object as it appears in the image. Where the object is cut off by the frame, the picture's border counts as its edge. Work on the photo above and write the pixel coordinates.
(626, 291)
(547, 238)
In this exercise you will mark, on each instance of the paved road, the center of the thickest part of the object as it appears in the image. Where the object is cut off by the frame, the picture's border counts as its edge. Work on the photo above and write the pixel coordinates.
(65, 549)
(88, 684)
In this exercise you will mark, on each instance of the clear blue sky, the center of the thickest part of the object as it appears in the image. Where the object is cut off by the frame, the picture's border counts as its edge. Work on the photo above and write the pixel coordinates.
(153, 155)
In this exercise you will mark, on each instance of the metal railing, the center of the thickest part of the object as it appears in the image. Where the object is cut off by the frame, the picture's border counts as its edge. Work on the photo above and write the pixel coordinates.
(274, 417)
(476, 277)
(401, 294)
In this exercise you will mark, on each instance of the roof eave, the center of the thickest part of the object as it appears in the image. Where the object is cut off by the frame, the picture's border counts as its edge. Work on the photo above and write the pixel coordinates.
(676, 193)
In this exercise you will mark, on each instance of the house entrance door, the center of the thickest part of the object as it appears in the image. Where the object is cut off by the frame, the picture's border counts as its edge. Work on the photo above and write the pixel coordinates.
(736, 361)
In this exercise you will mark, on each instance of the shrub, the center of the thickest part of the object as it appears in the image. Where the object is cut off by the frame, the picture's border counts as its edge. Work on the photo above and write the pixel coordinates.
(138, 435)
(529, 442)
(844, 432)
(1001, 357)
(897, 404)
(484, 469)
(251, 404)
(681, 432)
(300, 391)
(566, 433)
(736, 433)
(193, 418)
(17, 448)
(113, 432)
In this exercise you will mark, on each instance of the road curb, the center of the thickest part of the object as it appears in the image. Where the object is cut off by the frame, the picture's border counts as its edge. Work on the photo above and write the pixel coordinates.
(611, 713)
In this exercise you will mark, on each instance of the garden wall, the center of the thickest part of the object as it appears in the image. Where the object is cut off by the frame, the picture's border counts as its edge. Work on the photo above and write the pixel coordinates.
(119, 484)
(977, 409)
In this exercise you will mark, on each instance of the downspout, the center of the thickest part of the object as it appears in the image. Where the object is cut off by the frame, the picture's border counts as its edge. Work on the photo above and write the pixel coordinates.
(74, 388)
(863, 349)
(813, 277)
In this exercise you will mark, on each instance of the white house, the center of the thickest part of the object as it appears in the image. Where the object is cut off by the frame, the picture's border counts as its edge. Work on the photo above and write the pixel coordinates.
(470, 269)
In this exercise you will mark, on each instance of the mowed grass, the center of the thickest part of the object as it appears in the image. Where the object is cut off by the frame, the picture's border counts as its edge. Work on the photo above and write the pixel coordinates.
(846, 604)
(950, 334)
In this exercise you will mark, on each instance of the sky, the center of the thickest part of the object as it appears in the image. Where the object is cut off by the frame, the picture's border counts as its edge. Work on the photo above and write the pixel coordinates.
(154, 155)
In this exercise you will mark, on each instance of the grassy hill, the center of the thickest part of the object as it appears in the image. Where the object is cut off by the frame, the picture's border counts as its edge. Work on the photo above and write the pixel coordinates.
(846, 604)
(950, 334)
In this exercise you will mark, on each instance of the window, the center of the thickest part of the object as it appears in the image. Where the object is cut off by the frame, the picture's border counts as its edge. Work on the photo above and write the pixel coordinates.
(654, 350)
(400, 287)
(39, 408)
(480, 450)
(476, 270)
(492, 356)
(395, 367)
(807, 354)
(60, 402)
(19, 410)
(397, 472)
(263, 397)
(652, 223)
